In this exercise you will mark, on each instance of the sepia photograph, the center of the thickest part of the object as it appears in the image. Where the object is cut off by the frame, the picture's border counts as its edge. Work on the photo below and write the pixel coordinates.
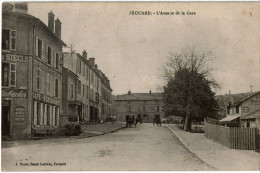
(130, 86)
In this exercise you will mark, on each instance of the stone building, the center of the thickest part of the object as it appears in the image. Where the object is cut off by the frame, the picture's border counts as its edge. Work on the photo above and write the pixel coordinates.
(31, 73)
(70, 103)
(106, 102)
(93, 87)
(144, 105)
(78, 65)
(244, 111)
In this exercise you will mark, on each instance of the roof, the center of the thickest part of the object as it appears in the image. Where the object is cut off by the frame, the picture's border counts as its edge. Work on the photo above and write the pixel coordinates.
(38, 21)
(139, 96)
(229, 118)
(253, 115)
(235, 98)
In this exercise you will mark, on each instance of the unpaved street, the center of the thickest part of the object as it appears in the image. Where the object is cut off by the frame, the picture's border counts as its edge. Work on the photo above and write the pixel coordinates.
(142, 148)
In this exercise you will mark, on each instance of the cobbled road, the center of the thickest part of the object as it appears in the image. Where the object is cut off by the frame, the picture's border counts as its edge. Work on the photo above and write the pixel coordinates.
(142, 148)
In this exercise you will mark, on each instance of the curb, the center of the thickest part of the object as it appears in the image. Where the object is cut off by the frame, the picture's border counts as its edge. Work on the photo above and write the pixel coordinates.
(186, 146)
(74, 137)
(81, 137)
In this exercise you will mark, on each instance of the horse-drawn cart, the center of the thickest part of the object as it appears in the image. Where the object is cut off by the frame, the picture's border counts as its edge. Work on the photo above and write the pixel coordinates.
(130, 120)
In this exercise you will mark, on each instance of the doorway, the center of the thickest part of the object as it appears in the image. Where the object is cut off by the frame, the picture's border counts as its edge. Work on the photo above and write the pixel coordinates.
(5, 119)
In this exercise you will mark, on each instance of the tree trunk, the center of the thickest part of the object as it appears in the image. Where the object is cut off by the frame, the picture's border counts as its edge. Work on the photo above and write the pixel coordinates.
(187, 123)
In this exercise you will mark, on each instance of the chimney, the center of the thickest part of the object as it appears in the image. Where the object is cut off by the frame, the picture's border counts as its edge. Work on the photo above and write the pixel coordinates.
(21, 7)
(58, 28)
(150, 92)
(7, 7)
(92, 61)
(51, 21)
(85, 54)
(129, 92)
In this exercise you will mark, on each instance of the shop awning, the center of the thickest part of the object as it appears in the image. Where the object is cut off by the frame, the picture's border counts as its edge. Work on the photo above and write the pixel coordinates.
(252, 115)
(229, 118)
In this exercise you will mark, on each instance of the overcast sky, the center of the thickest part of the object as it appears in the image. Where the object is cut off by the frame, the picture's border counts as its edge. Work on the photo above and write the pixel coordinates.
(131, 49)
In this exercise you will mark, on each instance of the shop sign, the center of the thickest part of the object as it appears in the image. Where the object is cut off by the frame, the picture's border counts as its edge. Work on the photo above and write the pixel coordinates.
(15, 58)
(14, 93)
(45, 98)
(20, 114)
(245, 109)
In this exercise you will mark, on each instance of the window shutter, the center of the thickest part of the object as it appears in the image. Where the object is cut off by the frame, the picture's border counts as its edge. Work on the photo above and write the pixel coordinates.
(58, 116)
(50, 115)
(36, 46)
(46, 53)
(53, 115)
(45, 115)
(42, 113)
(35, 114)
(54, 59)
(43, 51)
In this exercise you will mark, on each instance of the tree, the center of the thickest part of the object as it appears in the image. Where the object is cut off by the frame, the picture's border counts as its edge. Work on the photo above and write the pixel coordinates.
(189, 89)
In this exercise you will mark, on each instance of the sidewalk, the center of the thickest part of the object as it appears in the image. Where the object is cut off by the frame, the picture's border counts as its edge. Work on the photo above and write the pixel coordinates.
(215, 154)
(88, 131)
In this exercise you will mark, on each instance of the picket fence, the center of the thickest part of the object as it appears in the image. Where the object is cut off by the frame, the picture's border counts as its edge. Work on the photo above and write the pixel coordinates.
(232, 137)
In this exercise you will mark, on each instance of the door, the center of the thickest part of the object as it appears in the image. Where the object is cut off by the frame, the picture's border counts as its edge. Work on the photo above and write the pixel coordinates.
(5, 119)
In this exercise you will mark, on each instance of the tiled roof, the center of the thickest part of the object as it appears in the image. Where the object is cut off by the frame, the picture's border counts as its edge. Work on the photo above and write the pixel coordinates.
(139, 96)
(235, 98)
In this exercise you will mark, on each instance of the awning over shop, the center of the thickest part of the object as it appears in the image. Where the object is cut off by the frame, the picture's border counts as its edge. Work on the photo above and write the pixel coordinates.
(252, 115)
(229, 118)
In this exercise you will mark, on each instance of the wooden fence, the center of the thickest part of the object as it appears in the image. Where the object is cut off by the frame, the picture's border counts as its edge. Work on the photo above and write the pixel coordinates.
(232, 137)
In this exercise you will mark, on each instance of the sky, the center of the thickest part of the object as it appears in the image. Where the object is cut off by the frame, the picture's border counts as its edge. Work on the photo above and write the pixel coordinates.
(131, 49)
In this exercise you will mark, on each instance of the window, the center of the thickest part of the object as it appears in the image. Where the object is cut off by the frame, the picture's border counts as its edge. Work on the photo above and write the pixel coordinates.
(39, 48)
(158, 108)
(79, 87)
(57, 61)
(48, 115)
(5, 74)
(38, 80)
(87, 91)
(8, 39)
(129, 108)
(9, 74)
(79, 67)
(56, 123)
(144, 108)
(84, 71)
(56, 90)
(49, 55)
(83, 88)
(71, 90)
(48, 81)
(38, 113)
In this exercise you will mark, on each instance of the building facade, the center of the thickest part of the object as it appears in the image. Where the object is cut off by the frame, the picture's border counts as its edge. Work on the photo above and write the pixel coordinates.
(78, 65)
(143, 105)
(93, 87)
(70, 104)
(244, 112)
(31, 73)
(106, 102)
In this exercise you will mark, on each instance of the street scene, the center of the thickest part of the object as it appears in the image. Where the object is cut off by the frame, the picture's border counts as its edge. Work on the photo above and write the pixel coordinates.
(120, 86)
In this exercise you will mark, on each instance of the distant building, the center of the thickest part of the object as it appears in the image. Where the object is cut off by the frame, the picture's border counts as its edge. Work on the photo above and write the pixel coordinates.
(143, 105)
(93, 87)
(106, 102)
(31, 73)
(244, 111)
(70, 103)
